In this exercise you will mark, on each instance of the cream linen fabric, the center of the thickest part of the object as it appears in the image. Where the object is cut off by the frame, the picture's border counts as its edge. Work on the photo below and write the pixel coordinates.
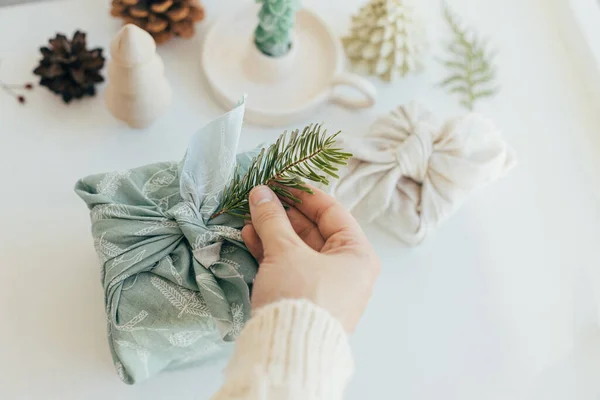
(412, 172)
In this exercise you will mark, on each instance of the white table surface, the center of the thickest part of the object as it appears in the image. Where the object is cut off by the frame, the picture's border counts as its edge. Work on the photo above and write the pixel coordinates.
(498, 305)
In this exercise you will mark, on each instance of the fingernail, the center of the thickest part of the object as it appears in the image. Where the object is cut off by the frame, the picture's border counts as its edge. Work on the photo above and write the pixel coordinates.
(260, 195)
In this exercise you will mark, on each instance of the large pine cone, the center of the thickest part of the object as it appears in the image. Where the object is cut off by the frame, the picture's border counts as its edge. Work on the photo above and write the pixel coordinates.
(68, 68)
(163, 19)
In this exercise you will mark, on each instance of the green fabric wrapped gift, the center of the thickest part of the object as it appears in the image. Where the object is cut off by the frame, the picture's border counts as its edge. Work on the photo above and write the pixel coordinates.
(177, 283)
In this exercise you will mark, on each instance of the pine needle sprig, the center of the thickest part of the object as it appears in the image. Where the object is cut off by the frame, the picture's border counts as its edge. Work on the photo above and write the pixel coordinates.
(310, 155)
(471, 67)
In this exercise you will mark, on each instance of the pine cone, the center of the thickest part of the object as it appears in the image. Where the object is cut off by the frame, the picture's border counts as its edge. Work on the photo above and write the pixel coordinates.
(163, 19)
(68, 68)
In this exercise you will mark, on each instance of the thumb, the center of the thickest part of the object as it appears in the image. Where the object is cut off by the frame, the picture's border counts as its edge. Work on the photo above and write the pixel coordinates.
(270, 220)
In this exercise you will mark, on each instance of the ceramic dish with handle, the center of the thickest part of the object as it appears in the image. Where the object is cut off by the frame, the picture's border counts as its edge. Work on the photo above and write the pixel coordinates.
(285, 89)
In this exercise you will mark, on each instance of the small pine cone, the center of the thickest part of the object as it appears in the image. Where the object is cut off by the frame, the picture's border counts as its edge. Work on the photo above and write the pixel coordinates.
(162, 37)
(68, 68)
(197, 13)
(161, 7)
(139, 12)
(118, 9)
(177, 14)
(163, 19)
(184, 28)
(156, 24)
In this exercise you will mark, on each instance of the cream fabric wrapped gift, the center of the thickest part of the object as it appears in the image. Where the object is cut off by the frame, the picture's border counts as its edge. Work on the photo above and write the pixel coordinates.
(412, 172)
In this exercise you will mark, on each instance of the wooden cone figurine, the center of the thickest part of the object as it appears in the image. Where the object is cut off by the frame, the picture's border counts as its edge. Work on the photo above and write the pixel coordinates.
(137, 91)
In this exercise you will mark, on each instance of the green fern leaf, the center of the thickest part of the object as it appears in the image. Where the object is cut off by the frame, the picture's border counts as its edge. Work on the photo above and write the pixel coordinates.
(308, 155)
(485, 93)
(471, 72)
(487, 78)
(459, 90)
(454, 64)
(453, 79)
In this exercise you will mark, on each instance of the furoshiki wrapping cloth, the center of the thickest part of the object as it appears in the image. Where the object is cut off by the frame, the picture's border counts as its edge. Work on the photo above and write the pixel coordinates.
(177, 283)
(412, 172)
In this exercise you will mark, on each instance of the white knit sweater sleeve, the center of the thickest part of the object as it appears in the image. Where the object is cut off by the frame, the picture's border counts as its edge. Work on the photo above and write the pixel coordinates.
(288, 350)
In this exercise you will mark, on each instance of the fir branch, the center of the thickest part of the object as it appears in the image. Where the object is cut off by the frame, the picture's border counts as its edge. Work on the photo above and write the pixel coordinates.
(308, 155)
(471, 70)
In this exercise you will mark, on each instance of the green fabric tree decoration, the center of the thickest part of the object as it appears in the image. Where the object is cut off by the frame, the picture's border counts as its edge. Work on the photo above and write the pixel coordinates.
(308, 155)
(471, 70)
(273, 35)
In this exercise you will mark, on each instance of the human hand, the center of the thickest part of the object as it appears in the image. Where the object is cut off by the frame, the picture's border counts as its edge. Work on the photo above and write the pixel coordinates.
(316, 251)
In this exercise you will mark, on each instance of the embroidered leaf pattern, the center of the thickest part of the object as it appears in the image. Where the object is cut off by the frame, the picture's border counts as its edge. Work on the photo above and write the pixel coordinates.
(186, 301)
(174, 271)
(156, 225)
(119, 279)
(109, 324)
(207, 282)
(109, 211)
(183, 211)
(232, 263)
(186, 338)
(233, 269)
(109, 185)
(470, 67)
(188, 185)
(160, 179)
(205, 239)
(164, 201)
(121, 371)
(130, 325)
(227, 249)
(237, 314)
(216, 233)
(105, 249)
(229, 233)
(122, 259)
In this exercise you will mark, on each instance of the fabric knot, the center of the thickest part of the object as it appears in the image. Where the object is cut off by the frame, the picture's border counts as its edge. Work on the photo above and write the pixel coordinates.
(402, 183)
(183, 211)
(200, 234)
(414, 153)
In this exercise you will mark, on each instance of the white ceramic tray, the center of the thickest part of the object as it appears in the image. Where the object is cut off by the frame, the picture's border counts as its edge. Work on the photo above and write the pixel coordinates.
(285, 89)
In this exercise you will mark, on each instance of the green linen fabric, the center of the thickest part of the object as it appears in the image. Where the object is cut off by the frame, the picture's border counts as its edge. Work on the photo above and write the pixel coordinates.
(177, 284)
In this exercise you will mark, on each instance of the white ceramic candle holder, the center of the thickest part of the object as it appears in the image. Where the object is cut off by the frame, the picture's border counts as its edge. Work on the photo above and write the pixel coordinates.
(283, 89)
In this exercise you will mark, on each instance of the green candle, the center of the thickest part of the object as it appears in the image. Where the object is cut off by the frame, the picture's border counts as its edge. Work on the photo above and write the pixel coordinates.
(273, 35)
